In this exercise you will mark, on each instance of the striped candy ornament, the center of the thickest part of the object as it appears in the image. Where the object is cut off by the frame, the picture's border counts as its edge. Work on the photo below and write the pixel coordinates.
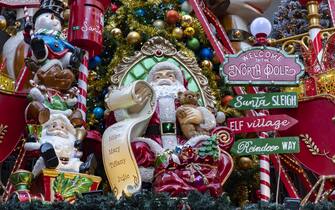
(315, 36)
(82, 86)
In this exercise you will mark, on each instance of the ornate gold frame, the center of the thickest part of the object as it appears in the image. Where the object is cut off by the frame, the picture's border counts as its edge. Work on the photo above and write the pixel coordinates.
(160, 47)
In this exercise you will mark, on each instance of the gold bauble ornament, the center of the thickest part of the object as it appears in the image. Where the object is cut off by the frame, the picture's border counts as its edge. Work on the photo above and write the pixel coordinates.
(245, 163)
(189, 31)
(159, 24)
(186, 20)
(177, 33)
(116, 32)
(3, 22)
(133, 37)
(206, 64)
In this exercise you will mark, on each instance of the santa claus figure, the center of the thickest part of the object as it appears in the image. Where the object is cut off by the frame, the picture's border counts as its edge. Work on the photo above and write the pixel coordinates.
(47, 41)
(163, 139)
(57, 146)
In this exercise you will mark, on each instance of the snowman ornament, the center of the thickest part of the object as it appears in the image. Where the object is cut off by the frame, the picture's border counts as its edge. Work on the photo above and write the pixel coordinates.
(47, 41)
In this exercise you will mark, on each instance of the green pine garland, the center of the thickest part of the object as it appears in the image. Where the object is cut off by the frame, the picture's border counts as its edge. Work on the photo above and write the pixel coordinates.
(147, 200)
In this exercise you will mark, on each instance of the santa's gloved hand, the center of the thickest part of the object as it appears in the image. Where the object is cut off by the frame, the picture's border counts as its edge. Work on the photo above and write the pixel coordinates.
(76, 58)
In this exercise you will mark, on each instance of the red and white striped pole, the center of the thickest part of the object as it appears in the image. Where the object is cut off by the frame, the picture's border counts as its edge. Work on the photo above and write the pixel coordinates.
(314, 30)
(82, 86)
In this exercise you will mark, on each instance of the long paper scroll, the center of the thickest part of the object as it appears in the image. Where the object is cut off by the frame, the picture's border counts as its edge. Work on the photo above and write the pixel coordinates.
(119, 161)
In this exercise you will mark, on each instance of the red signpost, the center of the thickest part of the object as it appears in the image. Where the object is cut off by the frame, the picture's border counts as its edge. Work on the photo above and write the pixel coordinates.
(261, 124)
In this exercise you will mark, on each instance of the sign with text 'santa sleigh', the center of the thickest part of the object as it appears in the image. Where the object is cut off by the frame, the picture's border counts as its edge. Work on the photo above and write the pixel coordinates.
(266, 146)
(265, 101)
(261, 66)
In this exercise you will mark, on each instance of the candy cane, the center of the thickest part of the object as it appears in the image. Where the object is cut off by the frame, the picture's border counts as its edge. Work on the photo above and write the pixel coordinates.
(314, 28)
(82, 86)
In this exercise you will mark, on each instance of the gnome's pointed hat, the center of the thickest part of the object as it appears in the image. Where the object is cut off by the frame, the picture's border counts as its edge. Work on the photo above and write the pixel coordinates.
(51, 6)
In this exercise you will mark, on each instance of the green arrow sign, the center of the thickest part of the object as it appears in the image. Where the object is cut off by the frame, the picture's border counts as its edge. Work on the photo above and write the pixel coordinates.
(266, 146)
(265, 101)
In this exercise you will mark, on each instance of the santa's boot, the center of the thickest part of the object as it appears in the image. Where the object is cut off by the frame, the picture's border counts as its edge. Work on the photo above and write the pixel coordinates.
(39, 49)
(49, 155)
(89, 166)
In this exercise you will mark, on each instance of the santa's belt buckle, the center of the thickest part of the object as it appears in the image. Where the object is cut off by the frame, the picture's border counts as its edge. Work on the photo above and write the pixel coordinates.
(168, 128)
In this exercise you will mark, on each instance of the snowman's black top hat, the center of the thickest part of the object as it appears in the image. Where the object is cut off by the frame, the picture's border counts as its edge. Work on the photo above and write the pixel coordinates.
(51, 6)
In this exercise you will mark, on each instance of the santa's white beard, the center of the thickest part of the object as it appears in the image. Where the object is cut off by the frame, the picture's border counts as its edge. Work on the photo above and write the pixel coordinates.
(168, 90)
(64, 147)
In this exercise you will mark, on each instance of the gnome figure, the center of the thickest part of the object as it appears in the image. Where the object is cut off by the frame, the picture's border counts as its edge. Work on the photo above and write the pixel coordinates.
(47, 41)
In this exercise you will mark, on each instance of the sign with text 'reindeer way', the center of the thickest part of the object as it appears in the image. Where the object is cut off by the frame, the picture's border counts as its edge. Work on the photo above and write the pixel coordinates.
(261, 123)
(265, 101)
(266, 146)
(262, 66)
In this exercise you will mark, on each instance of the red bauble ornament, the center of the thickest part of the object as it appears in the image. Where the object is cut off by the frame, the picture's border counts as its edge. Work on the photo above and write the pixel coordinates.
(172, 16)
(225, 100)
(114, 7)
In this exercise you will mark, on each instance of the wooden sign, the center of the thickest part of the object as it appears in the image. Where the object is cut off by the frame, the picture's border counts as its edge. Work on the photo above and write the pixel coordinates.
(19, 3)
(266, 146)
(265, 101)
(261, 123)
(261, 66)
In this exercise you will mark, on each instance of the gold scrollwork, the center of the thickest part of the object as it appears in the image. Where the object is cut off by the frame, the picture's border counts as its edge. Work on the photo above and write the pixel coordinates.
(314, 149)
(3, 131)
(158, 46)
(289, 43)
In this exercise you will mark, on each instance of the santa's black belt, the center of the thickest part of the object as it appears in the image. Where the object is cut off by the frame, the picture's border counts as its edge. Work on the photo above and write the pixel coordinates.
(163, 129)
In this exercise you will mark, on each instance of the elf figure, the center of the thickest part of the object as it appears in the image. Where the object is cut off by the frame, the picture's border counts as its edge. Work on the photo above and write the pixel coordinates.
(47, 41)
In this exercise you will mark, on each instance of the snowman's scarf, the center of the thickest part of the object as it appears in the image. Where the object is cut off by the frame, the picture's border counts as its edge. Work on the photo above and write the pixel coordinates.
(57, 34)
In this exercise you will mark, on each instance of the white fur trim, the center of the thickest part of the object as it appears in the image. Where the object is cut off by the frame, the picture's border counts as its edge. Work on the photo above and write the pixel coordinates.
(38, 167)
(36, 94)
(196, 140)
(166, 65)
(209, 119)
(64, 119)
(32, 146)
(67, 112)
(154, 146)
(147, 174)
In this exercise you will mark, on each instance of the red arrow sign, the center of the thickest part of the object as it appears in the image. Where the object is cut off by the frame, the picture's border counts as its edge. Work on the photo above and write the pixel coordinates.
(261, 124)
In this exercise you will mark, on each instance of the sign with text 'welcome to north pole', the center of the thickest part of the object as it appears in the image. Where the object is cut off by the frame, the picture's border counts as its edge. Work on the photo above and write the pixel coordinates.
(265, 101)
(261, 123)
(266, 146)
(262, 66)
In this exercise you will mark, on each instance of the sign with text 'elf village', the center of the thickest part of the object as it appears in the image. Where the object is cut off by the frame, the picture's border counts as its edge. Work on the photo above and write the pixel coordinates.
(265, 101)
(266, 146)
(261, 66)
(261, 123)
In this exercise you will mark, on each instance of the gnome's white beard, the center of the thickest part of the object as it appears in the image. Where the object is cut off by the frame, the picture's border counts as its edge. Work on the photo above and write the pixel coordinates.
(64, 147)
(171, 89)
